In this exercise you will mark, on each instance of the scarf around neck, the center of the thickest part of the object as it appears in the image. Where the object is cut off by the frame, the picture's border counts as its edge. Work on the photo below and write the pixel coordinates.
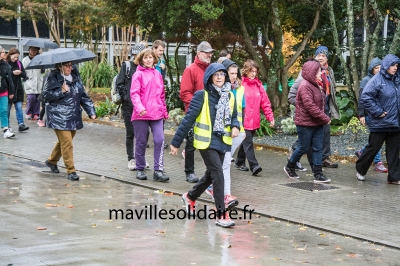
(223, 115)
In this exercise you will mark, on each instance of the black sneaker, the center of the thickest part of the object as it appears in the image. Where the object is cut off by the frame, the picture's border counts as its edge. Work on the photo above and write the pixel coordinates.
(160, 176)
(256, 170)
(22, 127)
(320, 178)
(299, 167)
(192, 178)
(141, 175)
(73, 176)
(329, 164)
(166, 146)
(291, 172)
(53, 167)
(242, 167)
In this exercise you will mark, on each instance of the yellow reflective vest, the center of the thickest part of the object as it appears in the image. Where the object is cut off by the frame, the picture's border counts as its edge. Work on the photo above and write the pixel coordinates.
(203, 128)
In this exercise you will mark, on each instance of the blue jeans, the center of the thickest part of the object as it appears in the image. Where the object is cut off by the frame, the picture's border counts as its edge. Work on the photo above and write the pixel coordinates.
(4, 111)
(18, 112)
(309, 137)
(377, 158)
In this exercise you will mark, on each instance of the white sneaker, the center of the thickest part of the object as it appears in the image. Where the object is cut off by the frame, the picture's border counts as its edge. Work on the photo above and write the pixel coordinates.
(183, 154)
(147, 165)
(360, 177)
(132, 165)
(8, 134)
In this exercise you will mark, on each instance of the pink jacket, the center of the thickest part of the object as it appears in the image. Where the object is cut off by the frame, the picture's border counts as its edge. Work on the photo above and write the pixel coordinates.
(256, 99)
(147, 93)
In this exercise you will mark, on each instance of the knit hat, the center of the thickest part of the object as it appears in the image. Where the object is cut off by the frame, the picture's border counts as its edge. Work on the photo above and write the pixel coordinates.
(205, 47)
(136, 49)
(322, 50)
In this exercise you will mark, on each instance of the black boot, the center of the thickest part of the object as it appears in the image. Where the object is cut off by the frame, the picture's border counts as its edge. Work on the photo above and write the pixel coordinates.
(160, 176)
(290, 170)
(319, 176)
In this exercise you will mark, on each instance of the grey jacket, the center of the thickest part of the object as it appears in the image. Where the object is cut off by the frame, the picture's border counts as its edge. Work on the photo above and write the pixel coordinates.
(334, 110)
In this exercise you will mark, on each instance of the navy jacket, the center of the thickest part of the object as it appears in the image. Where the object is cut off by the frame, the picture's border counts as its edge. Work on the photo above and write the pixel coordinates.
(195, 108)
(382, 94)
(375, 62)
(64, 110)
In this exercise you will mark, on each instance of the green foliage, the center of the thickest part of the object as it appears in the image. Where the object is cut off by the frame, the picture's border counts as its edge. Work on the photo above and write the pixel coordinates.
(346, 105)
(103, 76)
(354, 126)
(207, 11)
(287, 124)
(265, 128)
(176, 115)
(173, 100)
(106, 108)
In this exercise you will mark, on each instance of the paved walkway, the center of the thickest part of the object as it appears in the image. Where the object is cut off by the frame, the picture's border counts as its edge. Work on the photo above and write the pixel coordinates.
(365, 210)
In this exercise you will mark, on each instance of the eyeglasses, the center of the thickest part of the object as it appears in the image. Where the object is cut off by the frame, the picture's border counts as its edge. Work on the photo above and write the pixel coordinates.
(69, 66)
(219, 74)
(208, 53)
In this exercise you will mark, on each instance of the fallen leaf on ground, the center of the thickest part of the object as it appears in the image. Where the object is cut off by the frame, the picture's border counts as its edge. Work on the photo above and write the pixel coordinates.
(303, 228)
(258, 148)
(70, 207)
(51, 205)
(94, 225)
(41, 228)
(226, 246)
(344, 161)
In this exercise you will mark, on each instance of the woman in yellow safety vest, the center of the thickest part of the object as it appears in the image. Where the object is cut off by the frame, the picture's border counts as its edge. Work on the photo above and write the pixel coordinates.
(238, 90)
(213, 113)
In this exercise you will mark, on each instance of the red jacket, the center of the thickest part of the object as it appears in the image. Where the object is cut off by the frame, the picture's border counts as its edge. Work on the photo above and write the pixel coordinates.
(192, 81)
(310, 99)
(256, 98)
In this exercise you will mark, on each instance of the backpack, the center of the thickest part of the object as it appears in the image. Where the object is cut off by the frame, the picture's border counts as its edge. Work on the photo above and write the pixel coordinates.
(115, 96)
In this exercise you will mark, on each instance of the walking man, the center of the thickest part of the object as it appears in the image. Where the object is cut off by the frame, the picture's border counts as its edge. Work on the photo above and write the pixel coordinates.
(192, 81)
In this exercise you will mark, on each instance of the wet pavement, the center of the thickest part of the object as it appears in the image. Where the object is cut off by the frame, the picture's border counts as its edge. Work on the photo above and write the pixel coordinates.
(354, 223)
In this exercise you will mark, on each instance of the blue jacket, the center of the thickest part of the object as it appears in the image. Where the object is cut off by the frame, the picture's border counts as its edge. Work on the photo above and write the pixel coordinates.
(64, 110)
(195, 108)
(382, 94)
(375, 62)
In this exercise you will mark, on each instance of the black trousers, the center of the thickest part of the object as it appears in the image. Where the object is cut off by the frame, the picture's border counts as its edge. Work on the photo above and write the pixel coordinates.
(189, 156)
(375, 143)
(127, 110)
(246, 150)
(214, 175)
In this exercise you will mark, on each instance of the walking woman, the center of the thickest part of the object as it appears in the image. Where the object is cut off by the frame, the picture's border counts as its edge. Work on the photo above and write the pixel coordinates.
(213, 113)
(310, 119)
(32, 86)
(256, 98)
(64, 95)
(149, 110)
(380, 99)
(6, 92)
(18, 74)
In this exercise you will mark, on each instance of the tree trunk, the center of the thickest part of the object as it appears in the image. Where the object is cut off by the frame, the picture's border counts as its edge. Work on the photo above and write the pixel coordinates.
(364, 59)
(336, 39)
(378, 29)
(394, 48)
(355, 84)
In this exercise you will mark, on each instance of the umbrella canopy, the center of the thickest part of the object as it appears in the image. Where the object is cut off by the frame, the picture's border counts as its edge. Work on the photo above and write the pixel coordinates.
(41, 43)
(60, 55)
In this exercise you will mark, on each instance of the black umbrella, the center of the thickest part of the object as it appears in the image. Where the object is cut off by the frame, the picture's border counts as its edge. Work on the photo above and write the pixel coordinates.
(41, 43)
(60, 55)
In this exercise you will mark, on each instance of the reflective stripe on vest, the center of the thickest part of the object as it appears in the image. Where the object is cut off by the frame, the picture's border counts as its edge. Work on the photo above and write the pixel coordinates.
(239, 106)
(203, 129)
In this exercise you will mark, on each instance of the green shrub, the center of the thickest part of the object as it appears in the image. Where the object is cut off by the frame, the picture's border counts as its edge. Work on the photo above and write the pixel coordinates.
(106, 108)
(102, 77)
(176, 115)
(354, 126)
(265, 128)
(287, 124)
(172, 98)
(346, 105)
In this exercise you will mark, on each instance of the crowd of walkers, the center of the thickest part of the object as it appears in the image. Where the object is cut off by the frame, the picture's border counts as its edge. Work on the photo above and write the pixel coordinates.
(222, 104)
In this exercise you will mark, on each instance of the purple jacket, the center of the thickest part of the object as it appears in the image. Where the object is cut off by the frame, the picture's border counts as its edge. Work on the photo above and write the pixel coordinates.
(147, 93)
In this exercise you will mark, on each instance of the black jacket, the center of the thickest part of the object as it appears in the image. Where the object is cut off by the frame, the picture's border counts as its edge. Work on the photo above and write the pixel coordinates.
(64, 110)
(6, 82)
(17, 80)
(195, 108)
(124, 83)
